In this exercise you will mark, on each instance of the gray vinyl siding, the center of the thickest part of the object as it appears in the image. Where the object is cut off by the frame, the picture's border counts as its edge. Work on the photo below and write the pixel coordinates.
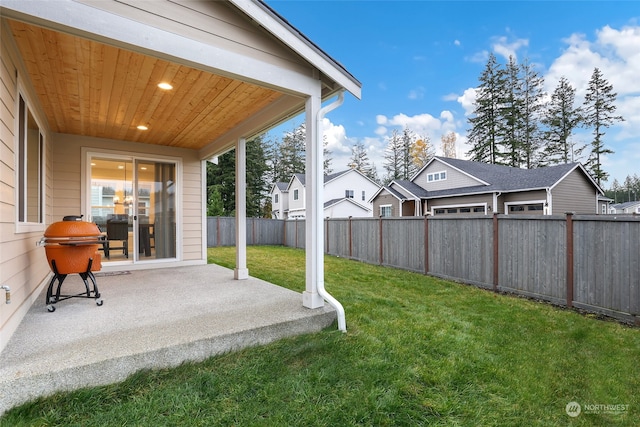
(575, 193)
(384, 198)
(455, 178)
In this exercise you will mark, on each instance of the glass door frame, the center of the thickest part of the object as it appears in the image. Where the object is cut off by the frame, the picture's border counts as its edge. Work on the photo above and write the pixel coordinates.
(134, 158)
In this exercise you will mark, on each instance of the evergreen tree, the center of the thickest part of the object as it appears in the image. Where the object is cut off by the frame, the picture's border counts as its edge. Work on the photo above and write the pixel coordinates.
(393, 157)
(221, 181)
(360, 161)
(531, 114)
(510, 116)
(408, 167)
(485, 135)
(560, 119)
(291, 152)
(599, 113)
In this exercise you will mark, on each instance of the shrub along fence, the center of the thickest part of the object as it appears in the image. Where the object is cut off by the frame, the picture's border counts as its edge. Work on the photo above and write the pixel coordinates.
(586, 261)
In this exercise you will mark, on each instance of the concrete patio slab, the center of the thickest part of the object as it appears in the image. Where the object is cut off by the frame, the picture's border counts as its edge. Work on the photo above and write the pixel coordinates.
(150, 319)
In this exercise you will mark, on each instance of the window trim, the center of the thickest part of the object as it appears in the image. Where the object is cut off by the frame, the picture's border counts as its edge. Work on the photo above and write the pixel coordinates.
(384, 207)
(296, 194)
(437, 176)
(457, 206)
(29, 226)
(524, 203)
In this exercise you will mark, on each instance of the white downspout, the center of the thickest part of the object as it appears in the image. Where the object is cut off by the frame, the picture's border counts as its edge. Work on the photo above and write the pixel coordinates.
(342, 323)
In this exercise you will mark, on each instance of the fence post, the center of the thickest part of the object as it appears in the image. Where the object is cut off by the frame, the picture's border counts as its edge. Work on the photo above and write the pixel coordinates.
(350, 239)
(569, 259)
(426, 244)
(380, 234)
(496, 252)
(217, 231)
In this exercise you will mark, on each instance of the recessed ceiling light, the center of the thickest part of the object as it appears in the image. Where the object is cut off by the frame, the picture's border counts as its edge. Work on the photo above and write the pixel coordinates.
(142, 127)
(165, 86)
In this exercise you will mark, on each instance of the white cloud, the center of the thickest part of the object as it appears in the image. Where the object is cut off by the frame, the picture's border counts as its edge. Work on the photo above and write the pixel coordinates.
(467, 99)
(457, 42)
(506, 48)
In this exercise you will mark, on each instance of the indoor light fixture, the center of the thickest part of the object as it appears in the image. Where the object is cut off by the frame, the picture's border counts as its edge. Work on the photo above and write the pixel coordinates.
(142, 127)
(165, 86)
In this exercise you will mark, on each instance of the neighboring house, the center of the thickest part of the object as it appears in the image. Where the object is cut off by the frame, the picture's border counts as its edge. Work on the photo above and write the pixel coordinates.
(454, 186)
(279, 200)
(86, 128)
(346, 193)
(626, 208)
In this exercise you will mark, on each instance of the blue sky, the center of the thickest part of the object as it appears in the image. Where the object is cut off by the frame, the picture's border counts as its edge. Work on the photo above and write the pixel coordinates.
(419, 62)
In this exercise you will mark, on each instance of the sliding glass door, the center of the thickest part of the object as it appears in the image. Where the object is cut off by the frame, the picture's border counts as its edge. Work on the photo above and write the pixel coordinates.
(133, 201)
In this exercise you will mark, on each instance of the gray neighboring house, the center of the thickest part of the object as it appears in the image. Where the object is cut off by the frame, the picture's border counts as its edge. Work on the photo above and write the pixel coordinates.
(632, 207)
(455, 186)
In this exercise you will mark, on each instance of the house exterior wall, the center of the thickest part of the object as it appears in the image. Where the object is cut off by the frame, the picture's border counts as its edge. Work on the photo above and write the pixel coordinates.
(23, 265)
(457, 202)
(575, 193)
(455, 178)
(67, 173)
(384, 198)
(352, 180)
(345, 209)
(296, 207)
(280, 207)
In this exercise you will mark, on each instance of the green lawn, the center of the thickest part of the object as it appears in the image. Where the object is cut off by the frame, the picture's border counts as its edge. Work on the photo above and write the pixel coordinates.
(419, 351)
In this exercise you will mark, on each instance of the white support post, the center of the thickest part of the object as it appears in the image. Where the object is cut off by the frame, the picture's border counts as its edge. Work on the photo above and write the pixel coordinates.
(241, 271)
(314, 183)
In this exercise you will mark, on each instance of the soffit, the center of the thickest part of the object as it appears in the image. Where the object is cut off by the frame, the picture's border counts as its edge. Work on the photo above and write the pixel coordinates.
(93, 89)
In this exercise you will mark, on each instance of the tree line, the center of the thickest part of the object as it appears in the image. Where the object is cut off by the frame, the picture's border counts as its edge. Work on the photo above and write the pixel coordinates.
(514, 124)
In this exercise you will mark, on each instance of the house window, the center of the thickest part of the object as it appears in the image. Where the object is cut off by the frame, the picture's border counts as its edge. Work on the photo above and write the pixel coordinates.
(438, 211)
(295, 194)
(478, 209)
(534, 207)
(465, 210)
(516, 208)
(348, 194)
(385, 210)
(30, 161)
(437, 176)
(363, 195)
(275, 198)
(452, 210)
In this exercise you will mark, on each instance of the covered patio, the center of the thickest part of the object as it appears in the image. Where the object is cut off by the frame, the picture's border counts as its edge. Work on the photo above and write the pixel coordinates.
(150, 319)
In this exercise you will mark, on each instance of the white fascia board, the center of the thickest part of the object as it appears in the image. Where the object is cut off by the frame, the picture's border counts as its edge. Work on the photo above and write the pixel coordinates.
(95, 24)
(277, 27)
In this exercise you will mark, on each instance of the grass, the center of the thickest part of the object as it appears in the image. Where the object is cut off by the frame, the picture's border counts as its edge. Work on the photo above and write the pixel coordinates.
(419, 351)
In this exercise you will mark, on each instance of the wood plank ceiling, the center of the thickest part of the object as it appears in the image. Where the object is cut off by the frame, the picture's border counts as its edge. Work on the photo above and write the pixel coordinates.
(92, 89)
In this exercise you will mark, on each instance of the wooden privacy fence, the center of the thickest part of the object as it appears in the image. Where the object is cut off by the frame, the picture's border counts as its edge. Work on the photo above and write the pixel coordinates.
(591, 262)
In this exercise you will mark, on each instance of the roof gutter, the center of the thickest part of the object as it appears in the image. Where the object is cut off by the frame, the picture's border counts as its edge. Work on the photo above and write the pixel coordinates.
(342, 323)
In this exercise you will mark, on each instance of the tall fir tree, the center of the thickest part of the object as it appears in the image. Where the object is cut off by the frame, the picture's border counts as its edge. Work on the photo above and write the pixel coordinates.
(221, 181)
(393, 157)
(599, 114)
(561, 118)
(360, 161)
(510, 116)
(408, 167)
(291, 152)
(531, 114)
(485, 135)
